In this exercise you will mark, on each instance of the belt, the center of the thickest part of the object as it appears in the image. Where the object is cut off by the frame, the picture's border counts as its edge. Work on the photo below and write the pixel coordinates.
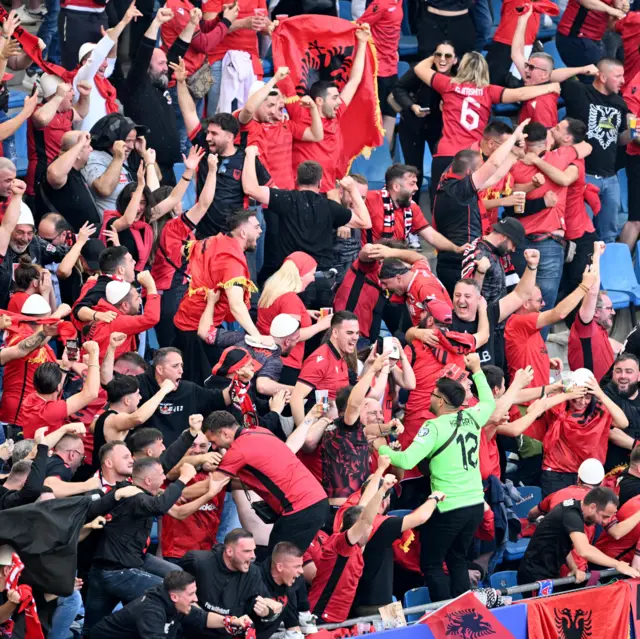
(540, 237)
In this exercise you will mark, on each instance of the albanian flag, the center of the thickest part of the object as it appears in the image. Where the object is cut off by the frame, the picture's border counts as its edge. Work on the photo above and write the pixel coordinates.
(584, 614)
(323, 48)
(465, 616)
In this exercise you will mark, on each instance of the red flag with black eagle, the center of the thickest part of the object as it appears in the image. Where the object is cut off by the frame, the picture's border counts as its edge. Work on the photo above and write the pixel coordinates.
(583, 614)
(323, 48)
(465, 617)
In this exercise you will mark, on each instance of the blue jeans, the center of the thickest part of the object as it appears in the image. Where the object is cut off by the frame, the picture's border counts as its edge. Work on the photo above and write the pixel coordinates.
(109, 587)
(214, 91)
(48, 33)
(229, 519)
(185, 144)
(64, 615)
(481, 16)
(606, 222)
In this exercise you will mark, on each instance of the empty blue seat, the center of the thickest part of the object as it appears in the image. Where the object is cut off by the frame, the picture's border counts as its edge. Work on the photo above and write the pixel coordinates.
(345, 10)
(416, 597)
(617, 274)
(505, 579)
(403, 67)
(515, 549)
(551, 48)
(375, 167)
(619, 300)
(532, 495)
(506, 109)
(408, 46)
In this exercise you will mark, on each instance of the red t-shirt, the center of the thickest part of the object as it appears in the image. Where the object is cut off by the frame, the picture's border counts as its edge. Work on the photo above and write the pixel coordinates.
(576, 218)
(631, 95)
(275, 142)
(37, 412)
(338, 574)
(266, 465)
(385, 19)
(43, 145)
(629, 28)
(240, 39)
(524, 346)
(423, 285)
(465, 112)
(314, 551)
(626, 547)
(173, 237)
(489, 454)
(16, 301)
(578, 21)
(543, 109)
(290, 304)
(551, 219)
(326, 152)
(589, 347)
(401, 228)
(570, 492)
(509, 20)
(325, 369)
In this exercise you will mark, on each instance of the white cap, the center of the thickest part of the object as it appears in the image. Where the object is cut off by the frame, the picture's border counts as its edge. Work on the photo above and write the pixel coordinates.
(284, 325)
(6, 552)
(26, 216)
(591, 472)
(117, 291)
(49, 84)
(581, 376)
(87, 47)
(256, 86)
(35, 305)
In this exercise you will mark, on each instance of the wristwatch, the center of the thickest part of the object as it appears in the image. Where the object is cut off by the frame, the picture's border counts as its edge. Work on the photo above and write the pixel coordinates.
(434, 497)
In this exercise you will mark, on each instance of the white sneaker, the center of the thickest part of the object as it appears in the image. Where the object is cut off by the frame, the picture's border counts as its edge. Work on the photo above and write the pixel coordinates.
(307, 622)
(25, 17)
(39, 12)
(413, 242)
(29, 80)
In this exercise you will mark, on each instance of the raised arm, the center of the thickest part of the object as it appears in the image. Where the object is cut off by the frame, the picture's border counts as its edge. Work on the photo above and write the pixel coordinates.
(106, 184)
(196, 213)
(590, 300)
(518, 42)
(91, 386)
(235, 296)
(11, 215)
(250, 184)
(425, 71)
(253, 103)
(130, 214)
(206, 319)
(360, 218)
(58, 171)
(357, 70)
(524, 289)
(529, 93)
(65, 268)
(10, 126)
(185, 101)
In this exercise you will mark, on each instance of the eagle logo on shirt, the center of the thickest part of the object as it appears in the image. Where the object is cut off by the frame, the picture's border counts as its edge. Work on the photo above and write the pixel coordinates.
(323, 63)
(604, 124)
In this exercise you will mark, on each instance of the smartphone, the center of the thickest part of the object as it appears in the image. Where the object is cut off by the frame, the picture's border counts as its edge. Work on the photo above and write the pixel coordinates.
(72, 350)
(425, 109)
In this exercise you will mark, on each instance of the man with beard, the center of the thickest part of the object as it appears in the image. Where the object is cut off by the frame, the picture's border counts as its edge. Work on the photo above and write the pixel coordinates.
(563, 530)
(623, 390)
(589, 343)
(218, 137)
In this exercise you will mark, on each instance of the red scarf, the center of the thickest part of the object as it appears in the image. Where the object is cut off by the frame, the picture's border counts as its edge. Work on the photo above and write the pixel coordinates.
(104, 87)
(27, 604)
(142, 236)
(239, 392)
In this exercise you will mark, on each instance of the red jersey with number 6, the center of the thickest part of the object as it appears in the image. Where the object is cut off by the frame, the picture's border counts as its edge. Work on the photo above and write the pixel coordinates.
(466, 110)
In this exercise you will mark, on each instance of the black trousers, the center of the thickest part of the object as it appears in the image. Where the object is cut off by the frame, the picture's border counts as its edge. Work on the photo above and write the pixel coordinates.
(552, 481)
(448, 274)
(300, 528)
(434, 29)
(165, 328)
(447, 537)
(76, 28)
(572, 272)
(438, 166)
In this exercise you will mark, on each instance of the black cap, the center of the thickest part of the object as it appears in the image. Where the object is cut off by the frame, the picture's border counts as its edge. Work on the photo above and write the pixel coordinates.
(391, 267)
(91, 253)
(513, 229)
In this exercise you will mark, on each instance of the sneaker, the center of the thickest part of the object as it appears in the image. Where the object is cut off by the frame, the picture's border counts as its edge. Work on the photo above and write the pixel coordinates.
(40, 12)
(413, 242)
(25, 18)
(307, 622)
(30, 78)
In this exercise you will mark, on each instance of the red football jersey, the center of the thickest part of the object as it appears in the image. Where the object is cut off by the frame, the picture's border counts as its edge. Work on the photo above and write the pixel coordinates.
(543, 109)
(576, 218)
(583, 23)
(631, 96)
(626, 547)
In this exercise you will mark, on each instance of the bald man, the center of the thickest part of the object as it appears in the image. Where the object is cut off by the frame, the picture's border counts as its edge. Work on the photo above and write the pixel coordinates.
(65, 189)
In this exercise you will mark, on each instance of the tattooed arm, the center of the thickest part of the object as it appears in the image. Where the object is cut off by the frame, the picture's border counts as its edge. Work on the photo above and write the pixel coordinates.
(28, 344)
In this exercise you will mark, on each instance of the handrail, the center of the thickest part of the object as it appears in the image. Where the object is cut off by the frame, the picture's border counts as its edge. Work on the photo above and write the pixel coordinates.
(513, 590)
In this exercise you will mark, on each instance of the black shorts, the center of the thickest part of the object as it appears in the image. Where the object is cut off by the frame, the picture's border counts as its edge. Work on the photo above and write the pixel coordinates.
(633, 181)
(385, 85)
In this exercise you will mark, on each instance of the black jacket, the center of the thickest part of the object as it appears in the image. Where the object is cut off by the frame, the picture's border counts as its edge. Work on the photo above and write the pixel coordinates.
(151, 616)
(124, 538)
(176, 451)
(285, 595)
(32, 487)
(220, 590)
(172, 417)
(96, 293)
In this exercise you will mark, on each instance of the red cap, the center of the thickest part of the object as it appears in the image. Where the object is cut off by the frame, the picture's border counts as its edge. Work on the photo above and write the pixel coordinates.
(233, 359)
(439, 310)
(303, 261)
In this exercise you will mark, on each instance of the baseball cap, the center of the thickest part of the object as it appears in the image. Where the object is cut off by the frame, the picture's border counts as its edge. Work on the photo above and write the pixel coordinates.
(87, 47)
(91, 253)
(49, 84)
(6, 552)
(35, 305)
(439, 310)
(233, 359)
(591, 472)
(117, 291)
(392, 267)
(26, 216)
(513, 229)
(283, 325)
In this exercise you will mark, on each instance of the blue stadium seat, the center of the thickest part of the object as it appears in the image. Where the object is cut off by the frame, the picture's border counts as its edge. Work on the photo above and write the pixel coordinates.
(408, 46)
(551, 48)
(506, 109)
(374, 168)
(16, 99)
(267, 66)
(403, 67)
(345, 10)
(617, 274)
(505, 579)
(546, 34)
(533, 496)
(189, 198)
(416, 597)
(619, 300)
(402, 512)
(515, 549)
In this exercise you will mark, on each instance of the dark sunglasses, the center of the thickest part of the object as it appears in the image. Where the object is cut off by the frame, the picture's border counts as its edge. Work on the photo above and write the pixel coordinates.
(446, 56)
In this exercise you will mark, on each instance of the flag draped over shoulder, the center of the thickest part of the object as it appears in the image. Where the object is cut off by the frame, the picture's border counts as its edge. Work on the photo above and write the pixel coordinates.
(466, 617)
(323, 48)
(584, 614)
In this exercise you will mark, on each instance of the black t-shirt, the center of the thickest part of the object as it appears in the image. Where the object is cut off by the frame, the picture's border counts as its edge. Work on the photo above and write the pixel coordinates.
(551, 542)
(493, 350)
(605, 117)
(57, 468)
(376, 584)
(632, 343)
(229, 195)
(631, 408)
(456, 214)
(629, 487)
(305, 223)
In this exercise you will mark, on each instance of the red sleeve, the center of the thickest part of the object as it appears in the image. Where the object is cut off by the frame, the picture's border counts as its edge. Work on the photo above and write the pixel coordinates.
(583, 330)
(207, 40)
(486, 529)
(342, 545)
(134, 324)
(441, 83)
(495, 93)
(174, 234)
(524, 324)
(233, 461)
(419, 220)
(56, 414)
(297, 129)
(545, 505)
(311, 374)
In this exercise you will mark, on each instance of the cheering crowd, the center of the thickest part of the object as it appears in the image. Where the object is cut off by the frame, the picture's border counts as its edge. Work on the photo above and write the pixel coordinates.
(269, 409)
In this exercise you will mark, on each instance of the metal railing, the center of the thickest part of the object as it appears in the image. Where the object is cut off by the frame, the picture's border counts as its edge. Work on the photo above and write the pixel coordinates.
(514, 590)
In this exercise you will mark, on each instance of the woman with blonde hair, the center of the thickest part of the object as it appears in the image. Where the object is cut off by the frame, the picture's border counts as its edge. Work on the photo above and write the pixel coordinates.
(467, 99)
(280, 295)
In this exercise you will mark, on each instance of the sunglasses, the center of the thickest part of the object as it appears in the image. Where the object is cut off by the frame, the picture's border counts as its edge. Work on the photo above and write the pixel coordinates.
(446, 56)
(530, 67)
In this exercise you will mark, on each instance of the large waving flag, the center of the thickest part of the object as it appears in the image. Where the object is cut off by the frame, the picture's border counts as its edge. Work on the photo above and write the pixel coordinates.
(323, 48)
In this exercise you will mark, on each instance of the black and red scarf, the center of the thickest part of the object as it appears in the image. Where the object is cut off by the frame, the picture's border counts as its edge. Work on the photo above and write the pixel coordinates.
(389, 216)
(239, 393)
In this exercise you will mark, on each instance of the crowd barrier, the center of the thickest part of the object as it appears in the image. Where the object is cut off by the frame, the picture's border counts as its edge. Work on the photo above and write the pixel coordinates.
(513, 617)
